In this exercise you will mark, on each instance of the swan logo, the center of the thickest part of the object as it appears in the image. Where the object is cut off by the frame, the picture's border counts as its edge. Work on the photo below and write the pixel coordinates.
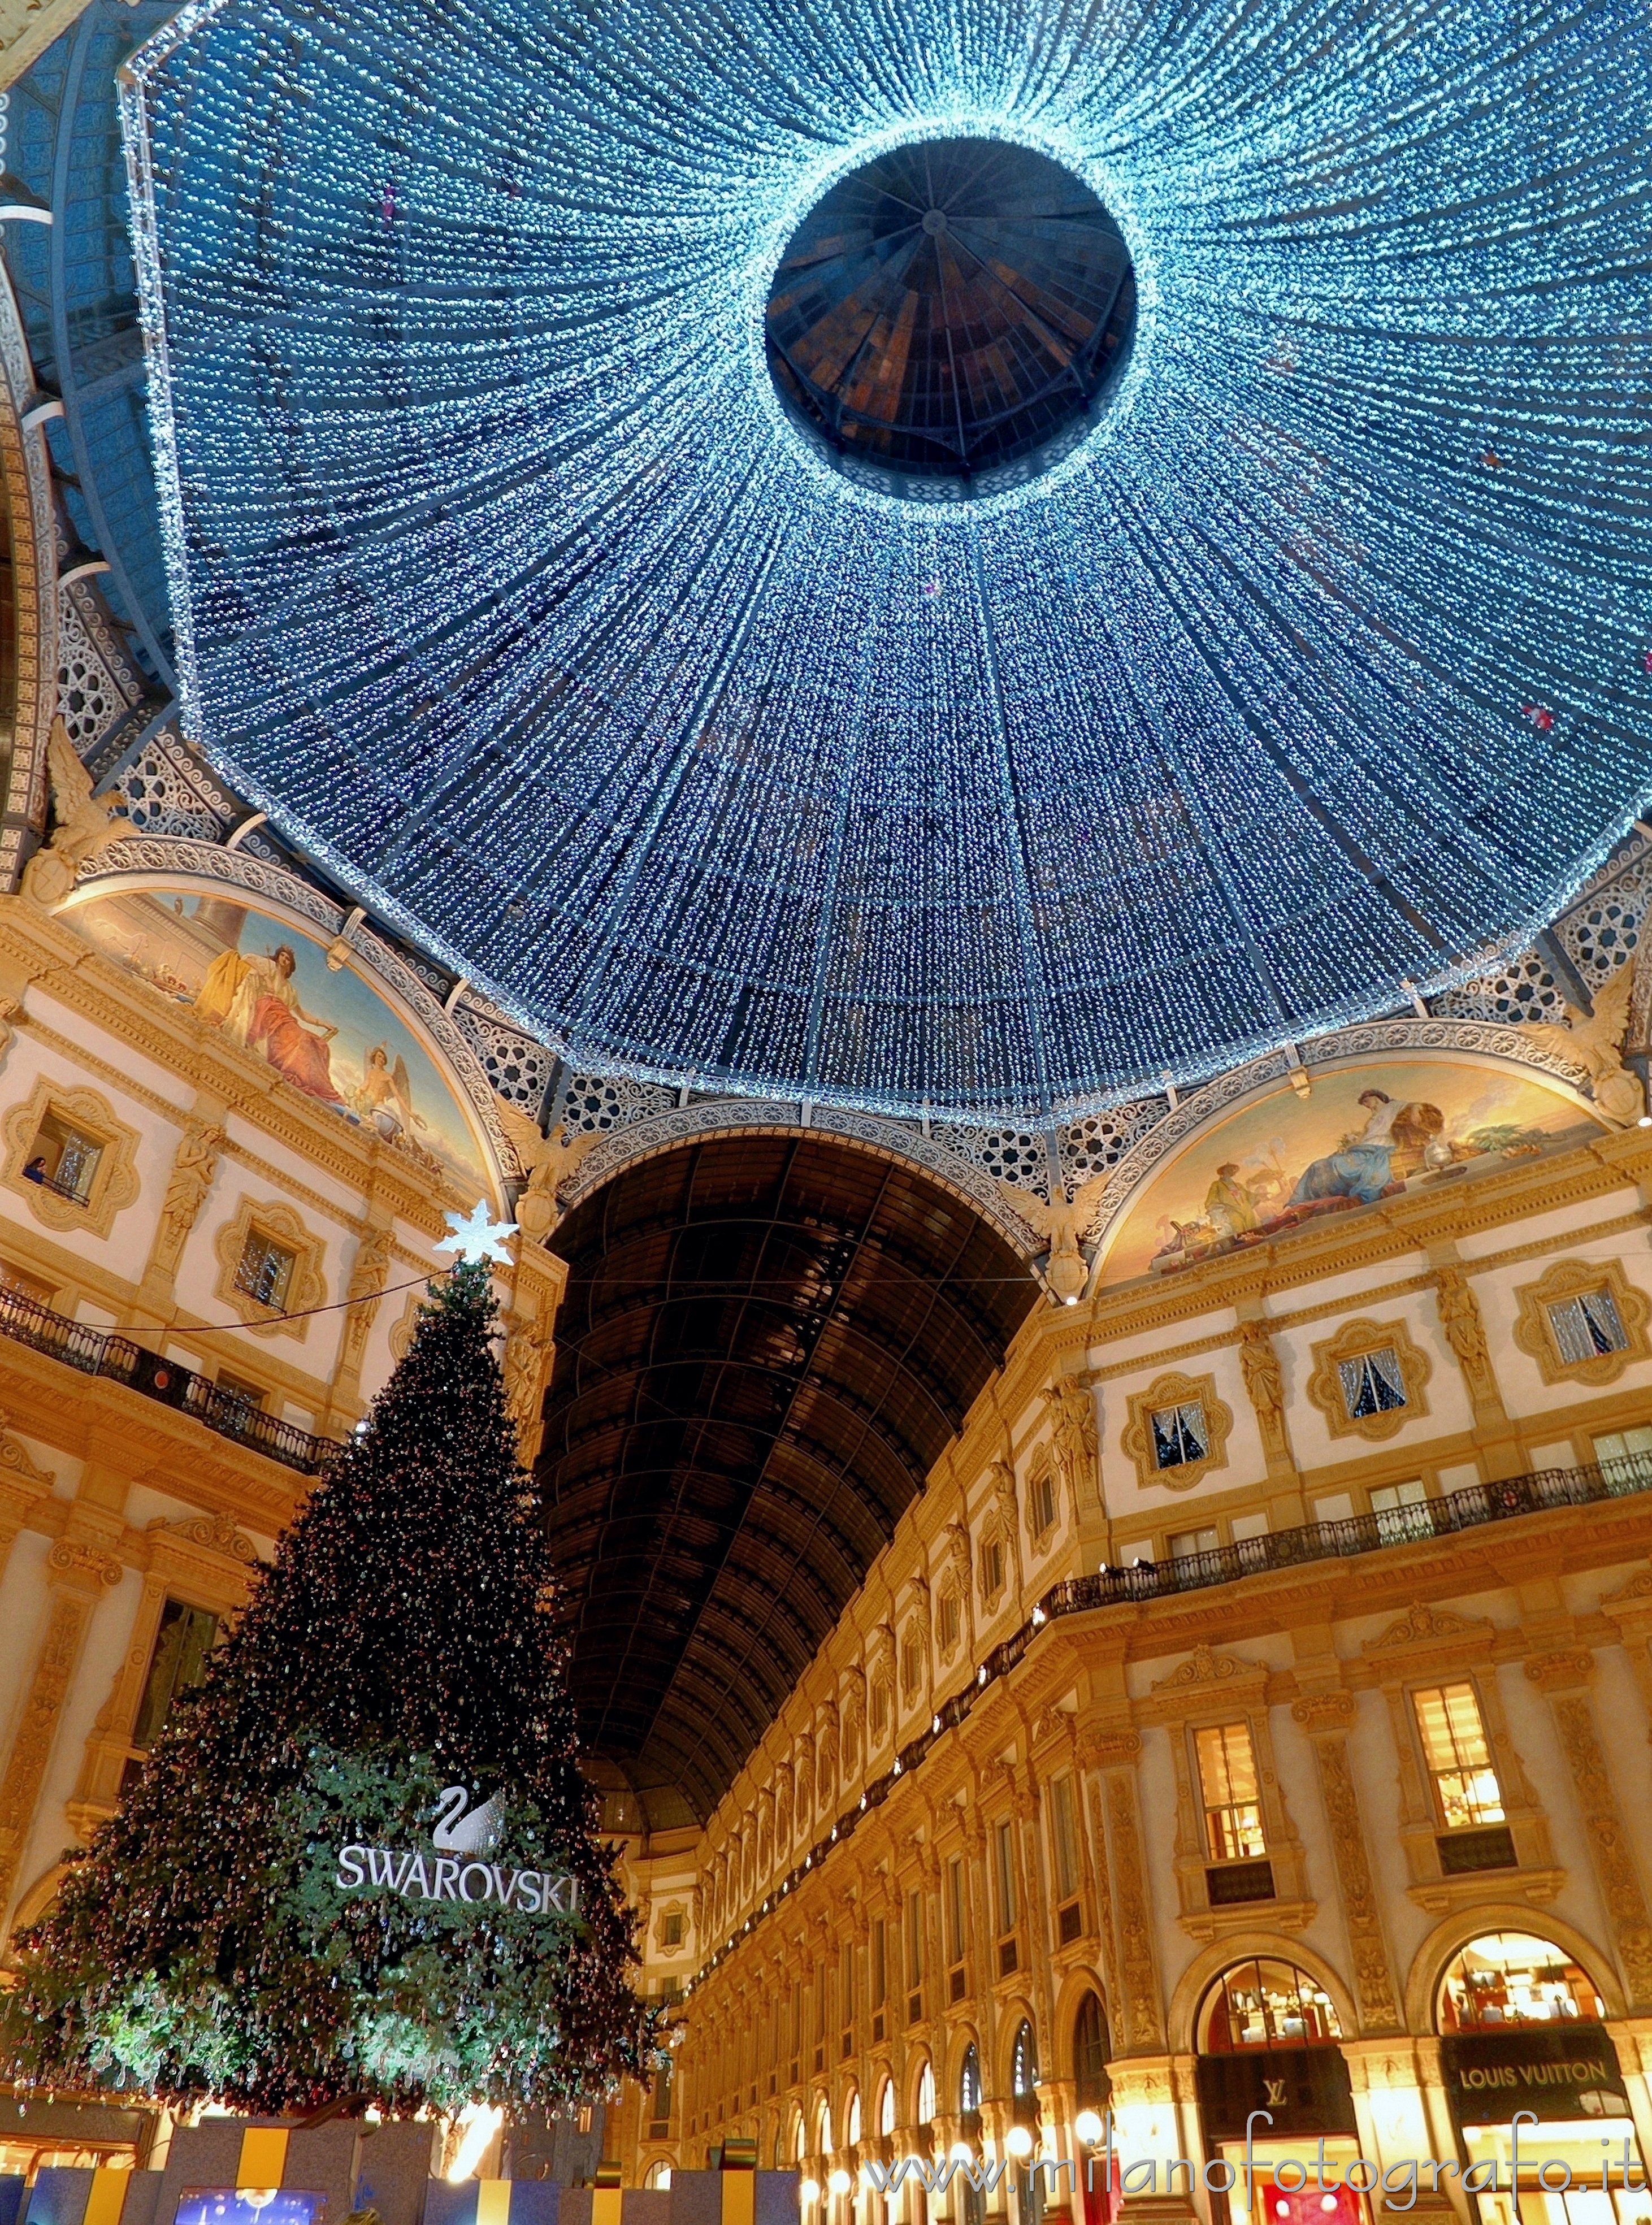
(458, 1830)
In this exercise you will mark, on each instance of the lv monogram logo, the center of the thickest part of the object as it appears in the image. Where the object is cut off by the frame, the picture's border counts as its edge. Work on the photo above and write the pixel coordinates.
(1275, 2092)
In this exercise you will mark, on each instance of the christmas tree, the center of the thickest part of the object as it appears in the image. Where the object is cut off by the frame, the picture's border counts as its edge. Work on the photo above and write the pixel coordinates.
(360, 1864)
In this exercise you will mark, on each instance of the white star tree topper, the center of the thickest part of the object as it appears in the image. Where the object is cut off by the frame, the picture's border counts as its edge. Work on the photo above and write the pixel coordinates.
(478, 1236)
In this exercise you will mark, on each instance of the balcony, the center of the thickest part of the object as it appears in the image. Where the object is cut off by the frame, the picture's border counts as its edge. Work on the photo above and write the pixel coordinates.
(1547, 1491)
(101, 1351)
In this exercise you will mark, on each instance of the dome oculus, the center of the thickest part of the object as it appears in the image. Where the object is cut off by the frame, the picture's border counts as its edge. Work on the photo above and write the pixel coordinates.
(950, 317)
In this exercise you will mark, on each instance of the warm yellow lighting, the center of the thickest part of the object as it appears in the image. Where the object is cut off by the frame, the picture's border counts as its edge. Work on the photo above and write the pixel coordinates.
(1019, 2141)
(481, 2121)
(961, 2151)
(809, 2191)
(839, 2183)
(1088, 2126)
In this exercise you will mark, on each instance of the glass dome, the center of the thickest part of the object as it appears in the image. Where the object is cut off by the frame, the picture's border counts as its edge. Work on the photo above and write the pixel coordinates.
(1313, 671)
(955, 307)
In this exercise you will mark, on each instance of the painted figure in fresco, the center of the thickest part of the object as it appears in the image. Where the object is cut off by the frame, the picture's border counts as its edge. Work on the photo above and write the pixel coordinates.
(1228, 1205)
(255, 1001)
(385, 1097)
(1362, 1170)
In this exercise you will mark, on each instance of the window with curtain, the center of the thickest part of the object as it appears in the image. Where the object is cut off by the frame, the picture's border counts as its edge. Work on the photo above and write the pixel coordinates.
(1227, 1781)
(1372, 1383)
(1180, 1434)
(186, 1637)
(1459, 1755)
(1587, 1325)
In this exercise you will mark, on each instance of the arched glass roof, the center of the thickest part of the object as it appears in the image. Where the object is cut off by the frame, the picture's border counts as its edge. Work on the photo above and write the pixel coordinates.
(501, 580)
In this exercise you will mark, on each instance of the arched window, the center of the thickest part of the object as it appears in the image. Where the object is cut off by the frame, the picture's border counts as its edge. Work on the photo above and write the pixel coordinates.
(969, 2083)
(926, 2095)
(658, 2176)
(800, 2141)
(1090, 2053)
(1023, 2065)
(1266, 2004)
(1512, 1978)
(886, 2108)
(851, 2118)
(823, 2130)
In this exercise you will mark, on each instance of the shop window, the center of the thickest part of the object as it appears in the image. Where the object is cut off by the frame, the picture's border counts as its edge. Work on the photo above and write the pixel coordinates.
(926, 2095)
(1185, 1544)
(1064, 1858)
(1372, 1383)
(64, 1158)
(1518, 2016)
(1090, 2054)
(1587, 1325)
(264, 1271)
(1004, 1877)
(886, 2108)
(1180, 1434)
(1023, 2075)
(1468, 1800)
(1266, 2004)
(657, 2177)
(1402, 1512)
(969, 2086)
(1507, 1978)
(186, 1637)
(1041, 1505)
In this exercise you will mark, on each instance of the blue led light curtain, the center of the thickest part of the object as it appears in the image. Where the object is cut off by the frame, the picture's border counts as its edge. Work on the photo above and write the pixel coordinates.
(503, 582)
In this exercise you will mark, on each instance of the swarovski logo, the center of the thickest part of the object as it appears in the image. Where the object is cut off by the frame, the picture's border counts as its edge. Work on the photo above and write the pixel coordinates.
(444, 1875)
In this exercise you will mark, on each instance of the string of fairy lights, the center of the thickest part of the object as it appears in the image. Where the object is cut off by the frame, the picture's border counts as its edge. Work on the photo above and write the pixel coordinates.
(1321, 664)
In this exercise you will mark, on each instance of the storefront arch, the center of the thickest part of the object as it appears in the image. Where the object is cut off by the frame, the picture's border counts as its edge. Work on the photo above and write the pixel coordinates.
(1449, 1937)
(1201, 1974)
(1524, 2035)
(1090, 2050)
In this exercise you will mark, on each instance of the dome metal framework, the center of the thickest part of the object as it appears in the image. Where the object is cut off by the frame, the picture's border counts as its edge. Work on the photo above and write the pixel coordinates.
(1313, 671)
(956, 305)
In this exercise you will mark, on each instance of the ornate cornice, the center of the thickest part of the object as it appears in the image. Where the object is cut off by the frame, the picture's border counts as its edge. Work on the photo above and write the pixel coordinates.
(665, 1132)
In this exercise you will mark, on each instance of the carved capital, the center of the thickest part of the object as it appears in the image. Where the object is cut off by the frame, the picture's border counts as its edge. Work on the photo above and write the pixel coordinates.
(1324, 1711)
(82, 1567)
(1557, 1672)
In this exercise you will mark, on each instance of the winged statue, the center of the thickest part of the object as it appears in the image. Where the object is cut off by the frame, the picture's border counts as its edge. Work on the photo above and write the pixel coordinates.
(1594, 1041)
(84, 824)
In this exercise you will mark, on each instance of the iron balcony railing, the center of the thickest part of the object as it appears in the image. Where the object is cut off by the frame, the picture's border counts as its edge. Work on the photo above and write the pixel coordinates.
(1542, 1492)
(101, 1351)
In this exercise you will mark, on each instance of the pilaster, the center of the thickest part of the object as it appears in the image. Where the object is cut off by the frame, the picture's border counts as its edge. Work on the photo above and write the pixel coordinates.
(78, 1574)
